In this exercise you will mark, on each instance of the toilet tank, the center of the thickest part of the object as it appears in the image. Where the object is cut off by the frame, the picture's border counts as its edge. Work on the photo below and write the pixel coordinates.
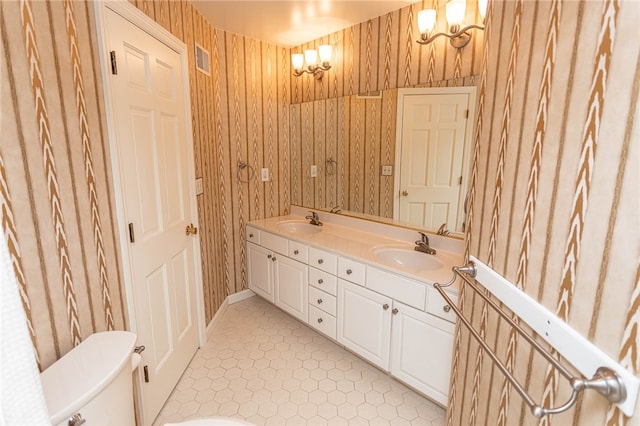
(93, 379)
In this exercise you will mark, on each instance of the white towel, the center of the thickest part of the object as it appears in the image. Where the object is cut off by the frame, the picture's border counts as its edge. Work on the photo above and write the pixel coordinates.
(21, 398)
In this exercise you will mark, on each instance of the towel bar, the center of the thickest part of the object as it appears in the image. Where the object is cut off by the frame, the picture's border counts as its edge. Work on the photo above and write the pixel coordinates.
(609, 379)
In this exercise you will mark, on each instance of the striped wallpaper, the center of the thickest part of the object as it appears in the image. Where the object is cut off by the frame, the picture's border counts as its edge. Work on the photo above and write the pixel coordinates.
(555, 198)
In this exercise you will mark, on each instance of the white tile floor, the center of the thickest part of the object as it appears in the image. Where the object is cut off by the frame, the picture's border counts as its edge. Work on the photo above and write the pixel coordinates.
(262, 366)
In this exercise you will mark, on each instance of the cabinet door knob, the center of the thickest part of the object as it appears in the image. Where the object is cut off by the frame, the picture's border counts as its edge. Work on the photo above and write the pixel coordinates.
(273, 258)
(446, 308)
(319, 320)
(385, 306)
(349, 271)
(320, 281)
(320, 261)
(250, 235)
(395, 311)
(319, 301)
(268, 256)
(296, 252)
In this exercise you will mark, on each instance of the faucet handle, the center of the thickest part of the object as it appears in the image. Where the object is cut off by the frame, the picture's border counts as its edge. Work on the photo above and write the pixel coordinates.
(425, 238)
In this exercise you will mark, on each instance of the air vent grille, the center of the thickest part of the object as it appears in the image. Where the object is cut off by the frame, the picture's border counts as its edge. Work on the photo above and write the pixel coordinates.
(202, 60)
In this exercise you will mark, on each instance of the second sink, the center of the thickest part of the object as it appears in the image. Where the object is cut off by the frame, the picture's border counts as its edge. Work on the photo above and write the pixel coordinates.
(407, 258)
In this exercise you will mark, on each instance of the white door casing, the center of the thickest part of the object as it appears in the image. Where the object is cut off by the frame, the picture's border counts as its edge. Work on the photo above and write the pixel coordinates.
(432, 155)
(149, 122)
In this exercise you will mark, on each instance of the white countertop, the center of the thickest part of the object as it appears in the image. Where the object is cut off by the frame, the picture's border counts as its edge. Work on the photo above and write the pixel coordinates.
(360, 245)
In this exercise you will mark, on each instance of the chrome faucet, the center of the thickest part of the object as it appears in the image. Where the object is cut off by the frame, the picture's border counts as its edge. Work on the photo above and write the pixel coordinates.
(423, 244)
(313, 218)
(335, 209)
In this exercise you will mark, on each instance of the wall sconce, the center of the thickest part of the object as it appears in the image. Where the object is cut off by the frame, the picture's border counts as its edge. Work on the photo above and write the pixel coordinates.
(458, 36)
(310, 58)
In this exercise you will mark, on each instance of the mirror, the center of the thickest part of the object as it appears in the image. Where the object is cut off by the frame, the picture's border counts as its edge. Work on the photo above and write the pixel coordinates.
(359, 154)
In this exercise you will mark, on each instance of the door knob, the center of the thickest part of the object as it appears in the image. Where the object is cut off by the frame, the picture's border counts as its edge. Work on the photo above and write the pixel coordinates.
(395, 311)
(405, 193)
(191, 230)
(385, 306)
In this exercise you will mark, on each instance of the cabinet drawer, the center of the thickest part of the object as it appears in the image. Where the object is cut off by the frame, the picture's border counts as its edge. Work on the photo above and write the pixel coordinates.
(323, 280)
(398, 288)
(253, 235)
(351, 270)
(322, 321)
(298, 251)
(437, 306)
(274, 242)
(323, 260)
(322, 300)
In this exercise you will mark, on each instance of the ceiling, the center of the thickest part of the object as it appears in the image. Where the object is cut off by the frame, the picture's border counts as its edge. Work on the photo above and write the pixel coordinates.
(291, 22)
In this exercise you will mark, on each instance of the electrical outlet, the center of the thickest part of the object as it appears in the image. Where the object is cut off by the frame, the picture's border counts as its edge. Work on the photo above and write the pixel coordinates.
(265, 174)
(387, 170)
(199, 189)
(314, 171)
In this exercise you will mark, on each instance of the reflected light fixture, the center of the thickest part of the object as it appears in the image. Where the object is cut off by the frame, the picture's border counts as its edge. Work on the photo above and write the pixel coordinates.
(310, 59)
(458, 35)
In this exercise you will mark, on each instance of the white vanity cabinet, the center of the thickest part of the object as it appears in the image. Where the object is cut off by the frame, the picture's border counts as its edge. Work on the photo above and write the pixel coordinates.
(276, 277)
(421, 347)
(364, 322)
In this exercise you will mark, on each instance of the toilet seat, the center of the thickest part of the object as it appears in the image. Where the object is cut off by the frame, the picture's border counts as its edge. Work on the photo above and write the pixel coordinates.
(211, 421)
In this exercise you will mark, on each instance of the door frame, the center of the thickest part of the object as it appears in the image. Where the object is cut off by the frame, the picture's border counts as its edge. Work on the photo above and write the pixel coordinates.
(466, 159)
(142, 21)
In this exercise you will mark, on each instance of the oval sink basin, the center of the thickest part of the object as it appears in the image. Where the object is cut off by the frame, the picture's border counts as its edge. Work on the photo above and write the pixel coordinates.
(298, 227)
(409, 259)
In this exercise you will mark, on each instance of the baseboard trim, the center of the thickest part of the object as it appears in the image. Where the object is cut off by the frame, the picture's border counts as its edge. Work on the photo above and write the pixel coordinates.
(230, 300)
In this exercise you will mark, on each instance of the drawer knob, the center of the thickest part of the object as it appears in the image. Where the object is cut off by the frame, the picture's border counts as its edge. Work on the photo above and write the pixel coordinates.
(320, 281)
(296, 252)
(446, 308)
(395, 311)
(319, 320)
(268, 256)
(250, 235)
(349, 271)
(385, 306)
(319, 301)
(320, 261)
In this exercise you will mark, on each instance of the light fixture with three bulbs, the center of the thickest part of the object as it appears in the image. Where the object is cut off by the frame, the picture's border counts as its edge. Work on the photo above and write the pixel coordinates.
(458, 36)
(309, 63)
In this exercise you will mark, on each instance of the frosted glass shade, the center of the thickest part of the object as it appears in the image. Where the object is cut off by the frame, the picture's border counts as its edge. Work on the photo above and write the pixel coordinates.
(311, 57)
(482, 8)
(297, 60)
(426, 20)
(455, 12)
(325, 51)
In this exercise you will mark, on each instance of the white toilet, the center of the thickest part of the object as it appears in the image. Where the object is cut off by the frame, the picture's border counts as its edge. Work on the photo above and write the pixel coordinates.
(94, 380)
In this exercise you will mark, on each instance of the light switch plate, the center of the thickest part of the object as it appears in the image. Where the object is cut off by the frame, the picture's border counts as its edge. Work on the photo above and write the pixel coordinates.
(199, 189)
(314, 171)
(265, 174)
(387, 170)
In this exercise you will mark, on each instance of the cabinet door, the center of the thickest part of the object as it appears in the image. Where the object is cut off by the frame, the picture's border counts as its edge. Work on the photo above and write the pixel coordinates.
(364, 322)
(421, 346)
(291, 287)
(260, 269)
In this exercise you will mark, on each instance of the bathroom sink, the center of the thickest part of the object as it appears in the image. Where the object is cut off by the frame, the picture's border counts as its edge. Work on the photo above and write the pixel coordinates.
(407, 258)
(298, 227)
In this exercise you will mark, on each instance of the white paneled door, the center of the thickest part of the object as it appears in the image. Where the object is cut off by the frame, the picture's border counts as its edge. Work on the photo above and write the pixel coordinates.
(433, 135)
(146, 93)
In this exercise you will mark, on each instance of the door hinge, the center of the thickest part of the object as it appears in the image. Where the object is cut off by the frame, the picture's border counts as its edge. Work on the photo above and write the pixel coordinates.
(466, 114)
(114, 63)
(146, 373)
(460, 180)
(132, 237)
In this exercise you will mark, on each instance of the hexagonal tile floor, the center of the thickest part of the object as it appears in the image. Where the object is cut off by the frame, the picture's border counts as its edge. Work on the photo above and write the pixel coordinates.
(262, 366)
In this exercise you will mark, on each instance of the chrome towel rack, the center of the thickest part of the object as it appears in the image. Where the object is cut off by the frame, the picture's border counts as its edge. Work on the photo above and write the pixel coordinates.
(608, 378)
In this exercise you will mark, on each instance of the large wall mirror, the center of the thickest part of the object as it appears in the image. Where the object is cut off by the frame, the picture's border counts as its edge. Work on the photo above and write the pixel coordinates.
(398, 155)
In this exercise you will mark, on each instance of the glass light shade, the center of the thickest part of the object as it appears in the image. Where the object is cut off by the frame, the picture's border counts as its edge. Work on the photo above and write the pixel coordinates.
(455, 12)
(297, 60)
(482, 8)
(325, 51)
(426, 20)
(311, 57)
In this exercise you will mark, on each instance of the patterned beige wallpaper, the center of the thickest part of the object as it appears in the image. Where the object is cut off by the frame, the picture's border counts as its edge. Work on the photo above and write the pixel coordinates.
(555, 199)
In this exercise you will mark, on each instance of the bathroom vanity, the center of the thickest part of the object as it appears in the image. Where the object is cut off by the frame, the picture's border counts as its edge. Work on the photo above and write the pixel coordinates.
(370, 293)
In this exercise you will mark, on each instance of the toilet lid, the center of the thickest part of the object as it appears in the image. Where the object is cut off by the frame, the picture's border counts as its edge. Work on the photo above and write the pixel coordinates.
(212, 421)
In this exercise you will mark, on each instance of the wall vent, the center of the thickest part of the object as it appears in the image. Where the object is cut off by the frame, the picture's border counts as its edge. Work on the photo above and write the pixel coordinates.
(370, 95)
(202, 60)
